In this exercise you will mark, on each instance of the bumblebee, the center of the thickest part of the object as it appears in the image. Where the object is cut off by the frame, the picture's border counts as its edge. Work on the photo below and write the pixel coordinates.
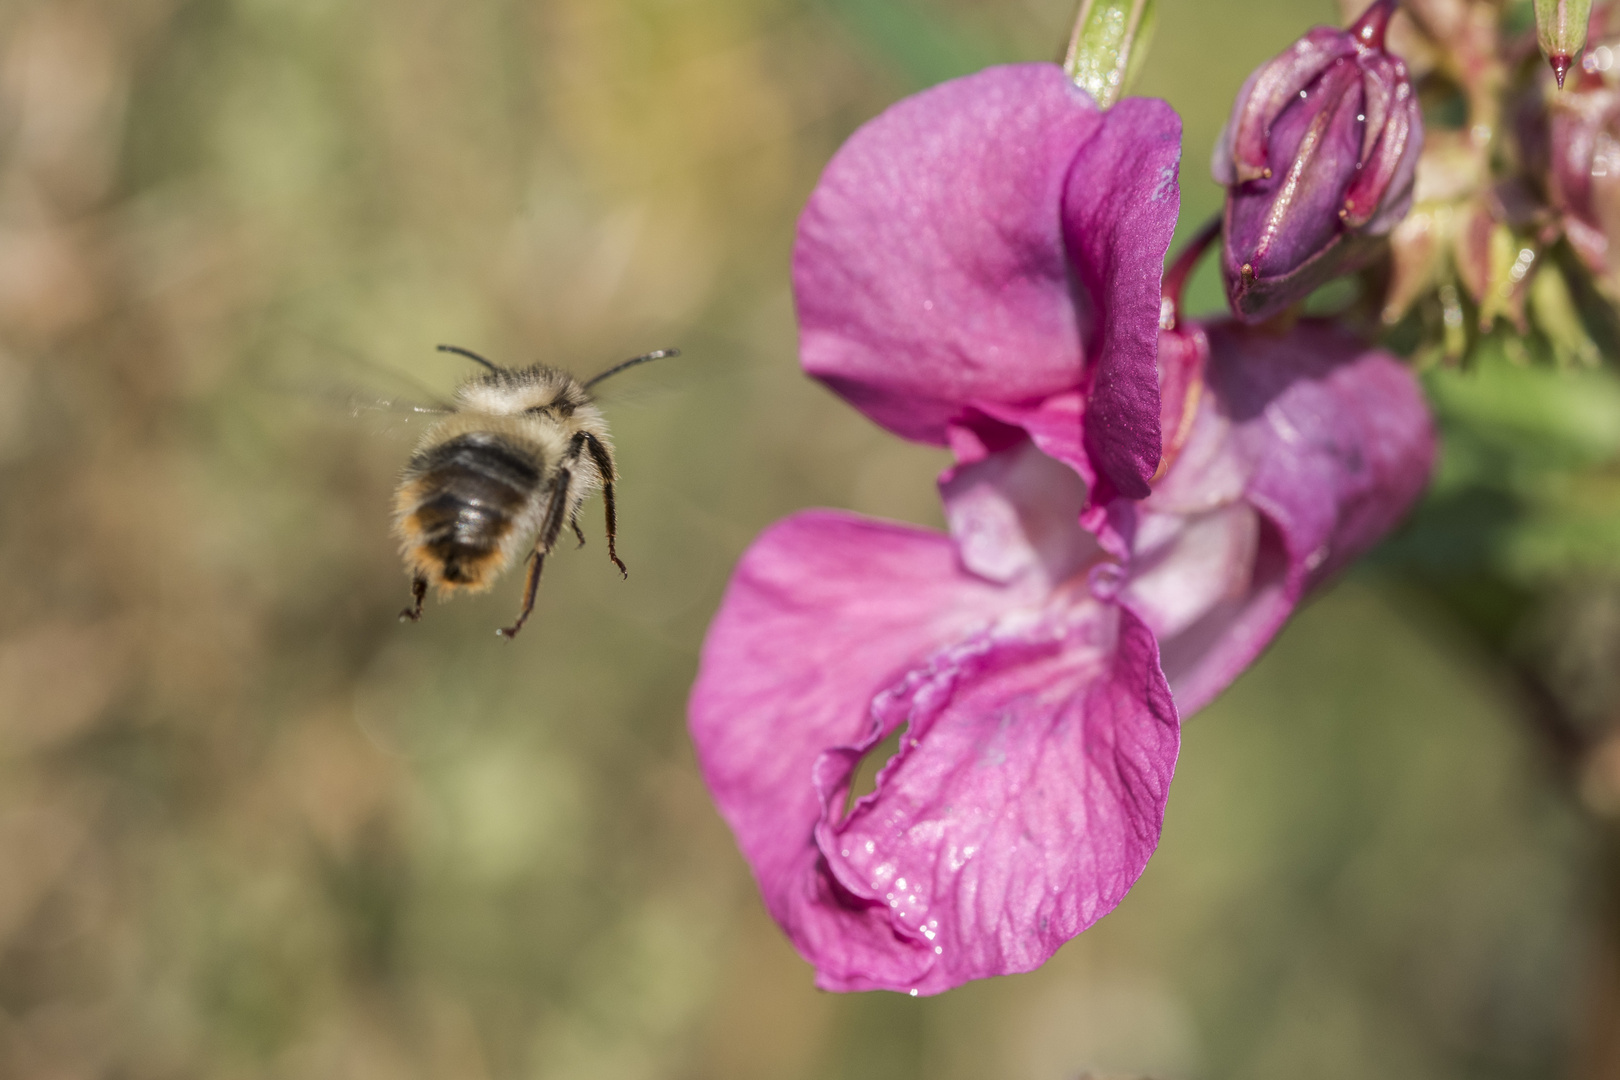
(509, 464)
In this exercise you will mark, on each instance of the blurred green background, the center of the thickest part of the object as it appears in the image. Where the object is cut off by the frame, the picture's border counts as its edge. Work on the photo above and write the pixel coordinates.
(251, 826)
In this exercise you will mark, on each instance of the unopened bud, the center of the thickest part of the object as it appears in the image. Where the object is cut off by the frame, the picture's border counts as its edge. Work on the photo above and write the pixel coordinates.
(1561, 31)
(1583, 176)
(1318, 159)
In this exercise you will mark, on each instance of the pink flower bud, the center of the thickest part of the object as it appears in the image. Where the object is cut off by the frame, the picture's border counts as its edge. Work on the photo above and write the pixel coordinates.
(1583, 180)
(1318, 159)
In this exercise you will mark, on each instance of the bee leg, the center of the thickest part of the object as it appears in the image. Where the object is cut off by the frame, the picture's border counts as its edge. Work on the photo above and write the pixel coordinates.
(418, 591)
(573, 523)
(530, 587)
(555, 513)
(604, 468)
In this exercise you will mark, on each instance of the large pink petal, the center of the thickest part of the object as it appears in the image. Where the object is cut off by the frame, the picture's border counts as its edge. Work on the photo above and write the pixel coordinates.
(1029, 789)
(824, 610)
(1025, 800)
(973, 244)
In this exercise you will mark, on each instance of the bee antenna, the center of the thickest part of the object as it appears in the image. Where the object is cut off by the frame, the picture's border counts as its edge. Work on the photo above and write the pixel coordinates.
(658, 354)
(469, 354)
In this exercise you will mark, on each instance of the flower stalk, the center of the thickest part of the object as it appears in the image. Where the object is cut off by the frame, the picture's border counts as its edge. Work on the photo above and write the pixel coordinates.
(1106, 48)
(1176, 278)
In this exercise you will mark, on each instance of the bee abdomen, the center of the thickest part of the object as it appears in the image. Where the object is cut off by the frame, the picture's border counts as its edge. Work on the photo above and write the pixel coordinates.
(460, 502)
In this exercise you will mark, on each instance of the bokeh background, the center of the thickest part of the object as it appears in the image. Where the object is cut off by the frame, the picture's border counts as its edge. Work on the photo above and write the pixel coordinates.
(251, 826)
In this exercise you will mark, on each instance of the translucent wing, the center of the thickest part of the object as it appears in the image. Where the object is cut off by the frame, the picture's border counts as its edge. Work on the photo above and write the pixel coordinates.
(342, 382)
(394, 417)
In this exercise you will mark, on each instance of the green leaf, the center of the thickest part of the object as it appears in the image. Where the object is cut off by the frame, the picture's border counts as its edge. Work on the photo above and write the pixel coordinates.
(1568, 417)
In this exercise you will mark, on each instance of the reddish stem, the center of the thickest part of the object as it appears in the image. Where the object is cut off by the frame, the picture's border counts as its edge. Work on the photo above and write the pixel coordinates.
(1369, 29)
(1175, 279)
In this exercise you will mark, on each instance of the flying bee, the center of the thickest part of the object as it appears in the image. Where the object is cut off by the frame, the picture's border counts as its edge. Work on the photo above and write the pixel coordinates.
(506, 468)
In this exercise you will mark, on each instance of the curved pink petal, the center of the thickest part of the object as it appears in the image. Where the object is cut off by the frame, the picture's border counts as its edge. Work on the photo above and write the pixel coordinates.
(1309, 447)
(975, 243)
(1030, 784)
(1025, 800)
(1015, 519)
(1340, 435)
(1119, 216)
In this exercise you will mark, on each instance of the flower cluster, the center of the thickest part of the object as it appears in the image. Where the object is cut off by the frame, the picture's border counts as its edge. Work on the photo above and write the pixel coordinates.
(1510, 244)
(1138, 503)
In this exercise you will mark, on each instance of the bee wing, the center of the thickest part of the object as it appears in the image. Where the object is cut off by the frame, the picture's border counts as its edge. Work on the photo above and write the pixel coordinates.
(339, 381)
(396, 417)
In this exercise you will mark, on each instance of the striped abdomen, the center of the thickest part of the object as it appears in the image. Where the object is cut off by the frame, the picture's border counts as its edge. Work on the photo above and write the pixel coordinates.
(459, 505)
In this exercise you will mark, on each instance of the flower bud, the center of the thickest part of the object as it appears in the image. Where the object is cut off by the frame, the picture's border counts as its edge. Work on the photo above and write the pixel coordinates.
(1561, 32)
(1583, 175)
(1318, 160)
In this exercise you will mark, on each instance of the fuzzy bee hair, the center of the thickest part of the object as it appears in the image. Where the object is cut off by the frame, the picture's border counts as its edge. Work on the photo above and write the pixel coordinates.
(503, 472)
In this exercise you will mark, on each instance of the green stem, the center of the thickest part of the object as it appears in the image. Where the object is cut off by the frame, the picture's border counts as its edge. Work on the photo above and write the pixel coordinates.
(1110, 38)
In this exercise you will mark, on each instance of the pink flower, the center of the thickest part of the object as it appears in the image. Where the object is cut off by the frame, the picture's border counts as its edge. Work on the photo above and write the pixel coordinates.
(980, 266)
